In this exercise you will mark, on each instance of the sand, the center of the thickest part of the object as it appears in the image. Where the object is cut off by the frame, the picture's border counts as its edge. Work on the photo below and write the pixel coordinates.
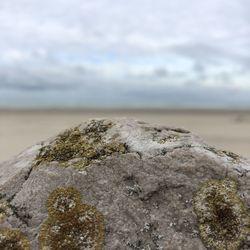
(224, 129)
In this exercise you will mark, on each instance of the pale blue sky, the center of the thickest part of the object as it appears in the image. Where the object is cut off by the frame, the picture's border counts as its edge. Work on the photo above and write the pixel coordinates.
(125, 53)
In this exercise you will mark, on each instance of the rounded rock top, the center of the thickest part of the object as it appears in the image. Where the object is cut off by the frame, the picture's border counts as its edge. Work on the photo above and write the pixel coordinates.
(125, 184)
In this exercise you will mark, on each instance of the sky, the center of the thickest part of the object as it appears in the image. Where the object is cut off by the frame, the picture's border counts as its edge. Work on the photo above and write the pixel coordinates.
(133, 53)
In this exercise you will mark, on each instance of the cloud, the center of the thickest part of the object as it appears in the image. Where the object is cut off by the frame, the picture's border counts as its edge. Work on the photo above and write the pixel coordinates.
(106, 45)
(41, 79)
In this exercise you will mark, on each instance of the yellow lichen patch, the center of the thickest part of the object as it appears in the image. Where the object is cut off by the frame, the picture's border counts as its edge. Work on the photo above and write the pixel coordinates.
(96, 129)
(63, 201)
(224, 221)
(12, 239)
(4, 210)
(78, 148)
(71, 225)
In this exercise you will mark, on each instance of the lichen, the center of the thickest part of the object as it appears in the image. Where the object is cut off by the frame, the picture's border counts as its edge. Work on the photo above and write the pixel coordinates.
(70, 224)
(13, 239)
(168, 138)
(163, 135)
(232, 155)
(224, 221)
(224, 153)
(4, 210)
(96, 129)
(79, 148)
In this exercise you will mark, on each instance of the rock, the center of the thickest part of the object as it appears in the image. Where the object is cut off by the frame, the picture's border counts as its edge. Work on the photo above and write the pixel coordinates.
(125, 184)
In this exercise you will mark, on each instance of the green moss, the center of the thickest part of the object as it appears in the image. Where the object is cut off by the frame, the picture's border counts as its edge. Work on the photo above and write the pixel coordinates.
(4, 210)
(79, 148)
(12, 239)
(224, 221)
(71, 225)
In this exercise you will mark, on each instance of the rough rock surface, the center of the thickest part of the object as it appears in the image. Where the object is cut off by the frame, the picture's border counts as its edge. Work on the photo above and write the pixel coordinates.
(155, 187)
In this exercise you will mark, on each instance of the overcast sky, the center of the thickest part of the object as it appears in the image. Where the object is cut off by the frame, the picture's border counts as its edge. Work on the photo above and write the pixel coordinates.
(116, 52)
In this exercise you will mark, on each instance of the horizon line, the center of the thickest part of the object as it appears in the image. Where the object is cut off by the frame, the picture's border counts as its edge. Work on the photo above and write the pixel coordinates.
(124, 109)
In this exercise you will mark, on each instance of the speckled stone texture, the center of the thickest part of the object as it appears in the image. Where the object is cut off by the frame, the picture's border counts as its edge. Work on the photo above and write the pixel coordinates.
(145, 192)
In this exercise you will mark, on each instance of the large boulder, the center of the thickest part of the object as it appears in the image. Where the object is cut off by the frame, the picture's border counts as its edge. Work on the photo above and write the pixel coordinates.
(125, 184)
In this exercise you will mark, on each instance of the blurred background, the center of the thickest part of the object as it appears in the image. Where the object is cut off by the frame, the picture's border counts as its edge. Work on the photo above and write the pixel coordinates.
(177, 62)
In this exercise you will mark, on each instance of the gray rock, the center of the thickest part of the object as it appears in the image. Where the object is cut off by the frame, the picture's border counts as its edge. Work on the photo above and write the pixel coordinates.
(155, 187)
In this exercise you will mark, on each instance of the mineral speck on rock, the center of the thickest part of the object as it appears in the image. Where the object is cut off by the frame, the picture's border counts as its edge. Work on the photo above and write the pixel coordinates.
(125, 184)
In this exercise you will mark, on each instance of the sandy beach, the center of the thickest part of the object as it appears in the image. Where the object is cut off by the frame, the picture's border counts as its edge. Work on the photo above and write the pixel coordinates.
(223, 129)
